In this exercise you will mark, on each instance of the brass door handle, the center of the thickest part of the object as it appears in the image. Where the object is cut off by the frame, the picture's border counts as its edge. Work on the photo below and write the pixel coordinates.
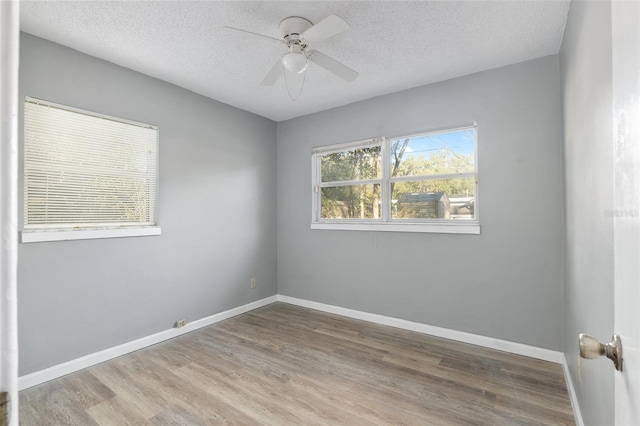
(591, 348)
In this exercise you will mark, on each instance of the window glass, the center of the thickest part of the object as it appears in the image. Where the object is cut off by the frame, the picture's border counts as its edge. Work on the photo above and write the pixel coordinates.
(419, 178)
(356, 164)
(351, 202)
(439, 153)
(434, 199)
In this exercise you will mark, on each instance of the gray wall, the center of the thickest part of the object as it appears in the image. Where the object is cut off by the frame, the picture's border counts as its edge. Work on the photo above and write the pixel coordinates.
(217, 209)
(585, 60)
(505, 283)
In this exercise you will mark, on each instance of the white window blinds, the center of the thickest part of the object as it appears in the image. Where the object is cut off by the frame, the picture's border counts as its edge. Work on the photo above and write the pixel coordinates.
(84, 170)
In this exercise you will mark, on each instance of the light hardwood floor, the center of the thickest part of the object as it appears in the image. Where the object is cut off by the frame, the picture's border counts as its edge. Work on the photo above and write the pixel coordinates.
(282, 364)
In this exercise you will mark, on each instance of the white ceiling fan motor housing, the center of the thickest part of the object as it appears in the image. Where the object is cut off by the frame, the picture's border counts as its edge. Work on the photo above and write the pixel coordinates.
(292, 27)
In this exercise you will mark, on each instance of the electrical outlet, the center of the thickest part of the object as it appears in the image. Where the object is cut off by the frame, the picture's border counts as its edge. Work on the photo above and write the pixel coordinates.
(181, 323)
(253, 283)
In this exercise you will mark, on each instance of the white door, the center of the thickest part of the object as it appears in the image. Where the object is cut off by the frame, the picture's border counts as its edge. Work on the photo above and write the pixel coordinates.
(626, 124)
(9, 34)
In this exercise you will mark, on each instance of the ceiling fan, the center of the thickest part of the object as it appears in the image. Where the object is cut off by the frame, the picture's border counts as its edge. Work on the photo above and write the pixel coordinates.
(297, 34)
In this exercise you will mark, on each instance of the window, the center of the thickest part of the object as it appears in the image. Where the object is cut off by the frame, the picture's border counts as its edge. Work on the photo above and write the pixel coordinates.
(87, 175)
(418, 183)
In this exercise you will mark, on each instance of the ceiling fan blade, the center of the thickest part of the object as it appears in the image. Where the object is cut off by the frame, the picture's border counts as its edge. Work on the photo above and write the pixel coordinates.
(328, 27)
(273, 75)
(333, 66)
(256, 34)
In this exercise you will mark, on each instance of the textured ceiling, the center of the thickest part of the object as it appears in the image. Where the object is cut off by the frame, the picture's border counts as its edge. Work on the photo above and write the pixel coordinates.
(394, 45)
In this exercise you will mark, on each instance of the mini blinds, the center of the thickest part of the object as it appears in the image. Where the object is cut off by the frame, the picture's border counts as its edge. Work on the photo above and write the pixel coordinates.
(84, 170)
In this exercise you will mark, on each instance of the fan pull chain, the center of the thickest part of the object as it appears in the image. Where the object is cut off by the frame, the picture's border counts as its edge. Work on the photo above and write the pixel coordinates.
(304, 78)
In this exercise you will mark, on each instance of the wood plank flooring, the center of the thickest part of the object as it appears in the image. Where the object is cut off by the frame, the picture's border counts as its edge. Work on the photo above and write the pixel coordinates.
(286, 365)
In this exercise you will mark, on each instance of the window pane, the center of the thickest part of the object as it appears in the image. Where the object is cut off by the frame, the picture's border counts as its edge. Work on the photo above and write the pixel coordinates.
(357, 164)
(439, 153)
(351, 202)
(433, 199)
(83, 170)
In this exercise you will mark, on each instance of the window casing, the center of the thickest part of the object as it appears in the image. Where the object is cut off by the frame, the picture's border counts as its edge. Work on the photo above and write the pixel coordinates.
(424, 182)
(87, 175)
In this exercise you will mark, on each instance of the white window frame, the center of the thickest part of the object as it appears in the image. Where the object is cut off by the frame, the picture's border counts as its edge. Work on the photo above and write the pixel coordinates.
(386, 223)
(63, 231)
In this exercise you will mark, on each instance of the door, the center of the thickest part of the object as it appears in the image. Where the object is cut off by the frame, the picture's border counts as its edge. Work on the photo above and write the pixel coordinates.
(9, 34)
(626, 123)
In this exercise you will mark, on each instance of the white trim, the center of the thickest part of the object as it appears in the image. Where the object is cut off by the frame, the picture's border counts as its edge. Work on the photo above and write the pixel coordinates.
(89, 113)
(9, 129)
(340, 183)
(577, 414)
(385, 190)
(443, 176)
(459, 336)
(88, 234)
(339, 147)
(438, 130)
(448, 228)
(63, 369)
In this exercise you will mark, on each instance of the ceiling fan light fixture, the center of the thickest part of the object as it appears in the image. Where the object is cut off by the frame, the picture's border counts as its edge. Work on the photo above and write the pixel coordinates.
(297, 33)
(295, 62)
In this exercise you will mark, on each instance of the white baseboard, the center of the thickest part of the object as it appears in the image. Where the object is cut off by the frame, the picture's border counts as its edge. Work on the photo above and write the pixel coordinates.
(577, 414)
(446, 333)
(63, 369)
(60, 370)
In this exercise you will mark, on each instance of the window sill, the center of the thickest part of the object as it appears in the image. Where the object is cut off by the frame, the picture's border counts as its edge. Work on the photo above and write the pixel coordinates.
(434, 228)
(28, 236)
